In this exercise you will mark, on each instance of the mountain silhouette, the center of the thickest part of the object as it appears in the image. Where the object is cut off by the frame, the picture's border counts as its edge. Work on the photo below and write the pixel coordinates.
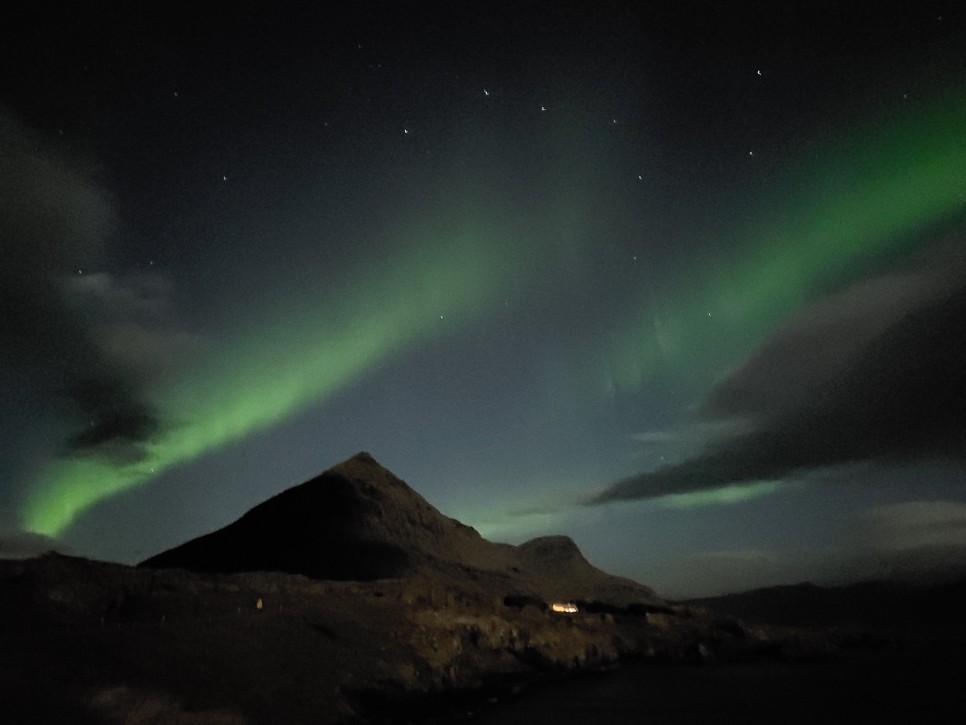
(357, 521)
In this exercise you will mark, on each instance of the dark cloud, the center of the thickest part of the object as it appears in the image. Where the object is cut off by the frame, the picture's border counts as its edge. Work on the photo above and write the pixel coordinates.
(117, 422)
(876, 372)
(82, 335)
(54, 221)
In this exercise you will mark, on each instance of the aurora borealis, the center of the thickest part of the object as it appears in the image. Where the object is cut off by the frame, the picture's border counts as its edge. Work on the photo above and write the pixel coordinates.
(270, 375)
(869, 193)
(527, 260)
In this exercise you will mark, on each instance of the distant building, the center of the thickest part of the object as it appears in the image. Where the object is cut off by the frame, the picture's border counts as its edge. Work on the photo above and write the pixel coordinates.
(563, 607)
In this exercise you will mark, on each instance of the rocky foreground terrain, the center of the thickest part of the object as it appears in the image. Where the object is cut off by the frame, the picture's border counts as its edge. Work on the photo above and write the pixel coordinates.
(346, 598)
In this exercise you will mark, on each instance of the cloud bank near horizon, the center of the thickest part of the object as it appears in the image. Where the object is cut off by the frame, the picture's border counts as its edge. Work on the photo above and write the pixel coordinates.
(916, 542)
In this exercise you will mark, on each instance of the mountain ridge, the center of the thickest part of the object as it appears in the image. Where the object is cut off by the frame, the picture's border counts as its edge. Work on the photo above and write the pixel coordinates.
(347, 598)
(880, 603)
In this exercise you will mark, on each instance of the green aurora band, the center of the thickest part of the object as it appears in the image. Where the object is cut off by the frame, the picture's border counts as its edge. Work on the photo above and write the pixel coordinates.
(870, 194)
(281, 367)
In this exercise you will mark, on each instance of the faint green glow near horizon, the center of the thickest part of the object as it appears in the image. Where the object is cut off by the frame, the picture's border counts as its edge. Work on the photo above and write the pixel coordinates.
(731, 494)
(515, 528)
(866, 196)
(278, 369)
(544, 519)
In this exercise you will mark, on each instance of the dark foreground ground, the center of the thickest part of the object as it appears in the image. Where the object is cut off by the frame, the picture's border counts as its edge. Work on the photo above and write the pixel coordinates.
(400, 614)
(92, 642)
(904, 662)
(897, 683)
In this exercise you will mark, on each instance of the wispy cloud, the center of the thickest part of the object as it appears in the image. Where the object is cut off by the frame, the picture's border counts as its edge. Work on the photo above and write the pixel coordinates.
(912, 525)
(69, 328)
(914, 541)
(696, 432)
(874, 372)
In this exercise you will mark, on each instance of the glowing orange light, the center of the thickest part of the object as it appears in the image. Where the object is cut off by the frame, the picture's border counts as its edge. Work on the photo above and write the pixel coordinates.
(564, 607)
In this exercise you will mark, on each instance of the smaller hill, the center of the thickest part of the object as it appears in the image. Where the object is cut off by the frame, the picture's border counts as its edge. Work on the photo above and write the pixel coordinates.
(878, 604)
(563, 572)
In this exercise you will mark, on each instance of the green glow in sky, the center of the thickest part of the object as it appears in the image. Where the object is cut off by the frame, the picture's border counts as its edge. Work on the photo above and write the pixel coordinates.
(865, 195)
(280, 367)
(868, 195)
(736, 493)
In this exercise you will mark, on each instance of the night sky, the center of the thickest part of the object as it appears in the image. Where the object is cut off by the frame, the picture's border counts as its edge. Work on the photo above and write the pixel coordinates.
(685, 283)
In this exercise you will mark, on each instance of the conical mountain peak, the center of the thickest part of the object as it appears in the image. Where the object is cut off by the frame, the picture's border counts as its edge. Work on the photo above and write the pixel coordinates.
(358, 521)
